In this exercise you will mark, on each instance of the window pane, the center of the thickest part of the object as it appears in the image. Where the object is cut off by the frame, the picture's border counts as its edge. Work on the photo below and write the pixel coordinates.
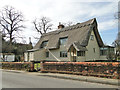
(47, 54)
(44, 44)
(63, 54)
(63, 41)
(80, 53)
(103, 52)
(94, 50)
(92, 37)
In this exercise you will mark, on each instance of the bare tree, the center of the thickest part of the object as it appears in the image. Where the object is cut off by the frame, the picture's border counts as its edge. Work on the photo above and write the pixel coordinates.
(67, 24)
(11, 22)
(117, 15)
(42, 25)
(116, 43)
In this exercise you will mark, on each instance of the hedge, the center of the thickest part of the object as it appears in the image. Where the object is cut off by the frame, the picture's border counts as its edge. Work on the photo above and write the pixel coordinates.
(100, 69)
(17, 65)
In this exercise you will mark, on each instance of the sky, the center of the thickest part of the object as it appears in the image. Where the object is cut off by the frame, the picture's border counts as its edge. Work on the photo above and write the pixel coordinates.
(76, 11)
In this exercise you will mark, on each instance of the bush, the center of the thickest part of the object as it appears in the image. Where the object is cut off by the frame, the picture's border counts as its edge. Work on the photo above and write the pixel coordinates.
(86, 68)
(16, 65)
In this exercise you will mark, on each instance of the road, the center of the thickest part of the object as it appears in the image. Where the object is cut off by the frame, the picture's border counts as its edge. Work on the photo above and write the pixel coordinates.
(25, 80)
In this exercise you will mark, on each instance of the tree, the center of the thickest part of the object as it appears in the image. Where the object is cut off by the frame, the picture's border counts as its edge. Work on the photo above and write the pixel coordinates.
(111, 56)
(116, 43)
(11, 22)
(117, 15)
(68, 24)
(42, 25)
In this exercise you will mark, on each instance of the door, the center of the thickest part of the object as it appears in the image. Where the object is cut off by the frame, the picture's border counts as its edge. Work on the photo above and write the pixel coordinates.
(73, 54)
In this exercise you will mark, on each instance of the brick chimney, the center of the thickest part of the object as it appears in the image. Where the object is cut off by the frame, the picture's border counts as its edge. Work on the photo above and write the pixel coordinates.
(60, 26)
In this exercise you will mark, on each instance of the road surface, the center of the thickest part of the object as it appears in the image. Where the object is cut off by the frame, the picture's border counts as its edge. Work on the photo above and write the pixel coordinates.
(25, 80)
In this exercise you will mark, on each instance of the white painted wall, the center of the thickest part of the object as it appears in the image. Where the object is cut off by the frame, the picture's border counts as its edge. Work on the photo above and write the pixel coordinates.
(26, 56)
(31, 56)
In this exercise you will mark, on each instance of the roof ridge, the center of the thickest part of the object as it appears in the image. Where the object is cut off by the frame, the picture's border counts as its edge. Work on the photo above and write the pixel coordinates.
(80, 25)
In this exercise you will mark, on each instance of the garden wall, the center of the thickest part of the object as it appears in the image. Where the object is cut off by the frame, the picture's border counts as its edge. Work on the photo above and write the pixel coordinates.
(99, 69)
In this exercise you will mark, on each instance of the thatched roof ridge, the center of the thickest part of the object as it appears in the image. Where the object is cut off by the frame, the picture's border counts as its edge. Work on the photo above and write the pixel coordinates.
(78, 25)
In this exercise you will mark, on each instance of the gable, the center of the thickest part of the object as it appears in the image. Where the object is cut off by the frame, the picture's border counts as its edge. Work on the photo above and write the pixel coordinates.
(93, 39)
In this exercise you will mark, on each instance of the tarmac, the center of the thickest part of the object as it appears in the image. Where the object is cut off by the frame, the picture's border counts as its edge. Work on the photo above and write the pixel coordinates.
(72, 77)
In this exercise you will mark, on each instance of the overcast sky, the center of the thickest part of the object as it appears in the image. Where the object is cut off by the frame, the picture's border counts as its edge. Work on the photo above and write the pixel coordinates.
(68, 10)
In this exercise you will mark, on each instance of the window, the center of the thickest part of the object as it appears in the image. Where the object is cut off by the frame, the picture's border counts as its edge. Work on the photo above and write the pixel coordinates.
(92, 37)
(80, 53)
(112, 49)
(47, 54)
(44, 44)
(94, 50)
(63, 41)
(103, 51)
(63, 54)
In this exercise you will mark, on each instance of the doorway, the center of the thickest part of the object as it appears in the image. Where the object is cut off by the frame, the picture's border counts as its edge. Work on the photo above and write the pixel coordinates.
(73, 54)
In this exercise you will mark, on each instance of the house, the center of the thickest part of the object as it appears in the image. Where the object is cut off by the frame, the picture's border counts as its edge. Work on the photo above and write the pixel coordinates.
(80, 42)
(15, 52)
(7, 57)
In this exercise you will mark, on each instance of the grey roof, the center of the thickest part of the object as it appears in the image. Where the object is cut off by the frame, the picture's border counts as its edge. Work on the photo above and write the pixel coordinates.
(77, 34)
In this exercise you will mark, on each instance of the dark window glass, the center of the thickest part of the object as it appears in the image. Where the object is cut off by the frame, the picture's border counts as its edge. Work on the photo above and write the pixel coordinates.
(80, 53)
(94, 50)
(44, 44)
(103, 51)
(47, 54)
(63, 41)
(63, 54)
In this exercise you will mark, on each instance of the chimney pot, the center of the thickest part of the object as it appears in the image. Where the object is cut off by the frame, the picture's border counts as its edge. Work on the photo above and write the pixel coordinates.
(60, 26)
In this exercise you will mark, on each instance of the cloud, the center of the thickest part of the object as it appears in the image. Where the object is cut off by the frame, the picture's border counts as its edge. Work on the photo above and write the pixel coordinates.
(107, 25)
(105, 9)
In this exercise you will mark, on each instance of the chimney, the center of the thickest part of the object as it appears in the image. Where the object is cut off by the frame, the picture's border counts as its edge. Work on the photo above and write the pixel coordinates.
(60, 26)
(30, 41)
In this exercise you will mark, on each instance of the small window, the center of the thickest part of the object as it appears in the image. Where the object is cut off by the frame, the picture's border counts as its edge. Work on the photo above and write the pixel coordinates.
(44, 44)
(92, 37)
(63, 54)
(80, 53)
(47, 54)
(63, 40)
(94, 50)
(103, 51)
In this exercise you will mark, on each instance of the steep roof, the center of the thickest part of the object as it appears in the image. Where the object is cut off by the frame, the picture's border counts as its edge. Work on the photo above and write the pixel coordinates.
(77, 34)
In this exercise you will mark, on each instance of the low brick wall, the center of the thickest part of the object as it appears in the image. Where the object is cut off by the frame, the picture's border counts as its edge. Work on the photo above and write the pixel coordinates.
(17, 65)
(99, 69)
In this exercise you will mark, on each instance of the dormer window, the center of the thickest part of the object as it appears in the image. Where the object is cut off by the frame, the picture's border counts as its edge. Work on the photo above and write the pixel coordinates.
(44, 44)
(63, 41)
